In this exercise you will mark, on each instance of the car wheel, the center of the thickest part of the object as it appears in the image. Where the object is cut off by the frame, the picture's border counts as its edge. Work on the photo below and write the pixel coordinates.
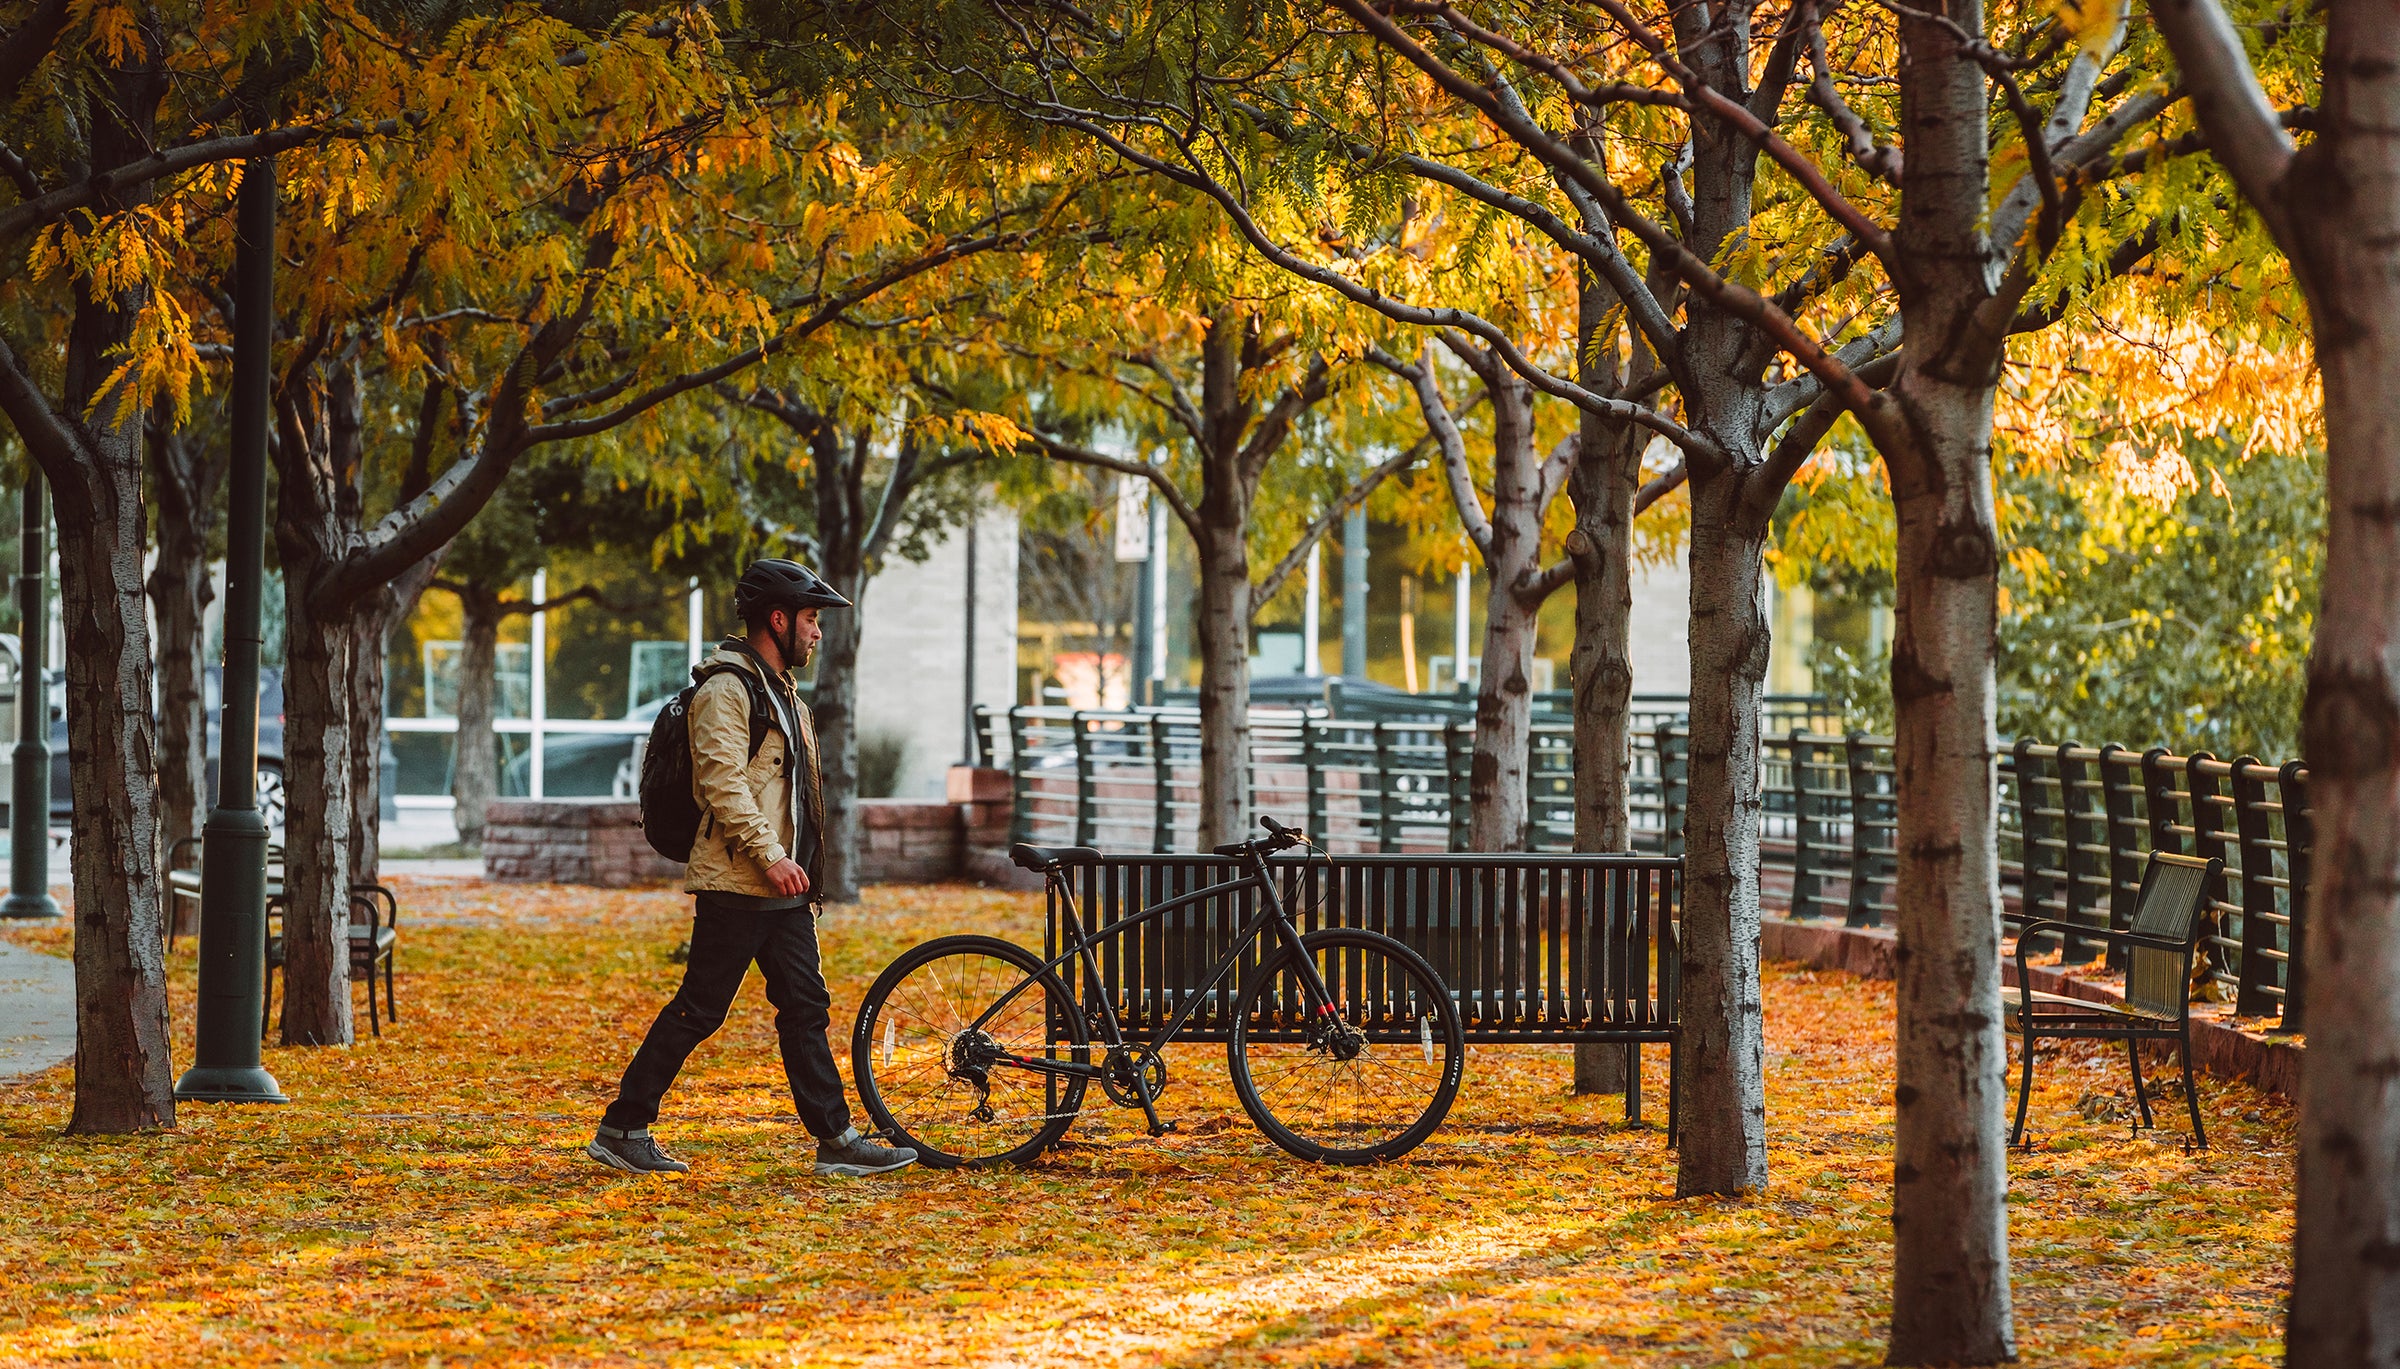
(270, 795)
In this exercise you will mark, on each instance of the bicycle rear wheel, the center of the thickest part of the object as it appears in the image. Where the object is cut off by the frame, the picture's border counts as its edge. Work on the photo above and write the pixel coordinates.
(931, 1080)
(1369, 1080)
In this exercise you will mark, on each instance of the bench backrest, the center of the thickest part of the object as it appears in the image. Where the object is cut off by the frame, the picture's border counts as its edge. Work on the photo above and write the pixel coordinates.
(1534, 947)
(2174, 888)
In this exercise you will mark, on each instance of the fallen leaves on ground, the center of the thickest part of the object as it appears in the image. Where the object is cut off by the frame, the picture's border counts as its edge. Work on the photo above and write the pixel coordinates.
(425, 1200)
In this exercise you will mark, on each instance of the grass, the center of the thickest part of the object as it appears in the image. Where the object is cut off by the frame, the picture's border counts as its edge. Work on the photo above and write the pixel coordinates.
(424, 1200)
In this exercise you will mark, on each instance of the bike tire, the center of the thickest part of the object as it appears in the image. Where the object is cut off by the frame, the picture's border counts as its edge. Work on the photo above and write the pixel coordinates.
(1317, 1106)
(923, 1103)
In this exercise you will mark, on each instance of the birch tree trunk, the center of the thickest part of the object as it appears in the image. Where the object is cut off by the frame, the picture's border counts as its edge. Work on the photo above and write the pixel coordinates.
(1222, 636)
(2345, 1308)
(1950, 1294)
(184, 479)
(317, 454)
(475, 763)
(2335, 207)
(1500, 818)
(1601, 485)
(835, 708)
(317, 840)
(1723, 1147)
(370, 625)
(124, 1080)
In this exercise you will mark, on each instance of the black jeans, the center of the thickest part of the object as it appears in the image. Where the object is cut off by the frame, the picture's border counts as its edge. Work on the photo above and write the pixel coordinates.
(724, 945)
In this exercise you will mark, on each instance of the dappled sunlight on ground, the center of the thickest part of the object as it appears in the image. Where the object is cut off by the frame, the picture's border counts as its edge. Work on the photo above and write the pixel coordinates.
(425, 1197)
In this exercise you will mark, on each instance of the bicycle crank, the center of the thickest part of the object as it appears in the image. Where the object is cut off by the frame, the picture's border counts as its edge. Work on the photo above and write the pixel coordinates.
(1133, 1078)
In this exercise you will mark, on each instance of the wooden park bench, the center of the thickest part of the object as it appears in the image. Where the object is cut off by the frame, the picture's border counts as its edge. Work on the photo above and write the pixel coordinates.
(1534, 948)
(2159, 949)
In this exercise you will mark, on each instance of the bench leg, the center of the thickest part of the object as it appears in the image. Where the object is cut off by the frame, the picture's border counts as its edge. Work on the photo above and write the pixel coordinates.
(2024, 1090)
(1633, 1083)
(2191, 1089)
(391, 1005)
(2141, 1096)
(374, 1022)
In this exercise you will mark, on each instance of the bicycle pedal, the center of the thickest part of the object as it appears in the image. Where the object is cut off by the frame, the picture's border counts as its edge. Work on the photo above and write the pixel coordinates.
(1162, 1128)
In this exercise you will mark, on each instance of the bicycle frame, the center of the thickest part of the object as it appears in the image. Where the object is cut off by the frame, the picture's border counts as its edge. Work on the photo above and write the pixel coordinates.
(1270, 914)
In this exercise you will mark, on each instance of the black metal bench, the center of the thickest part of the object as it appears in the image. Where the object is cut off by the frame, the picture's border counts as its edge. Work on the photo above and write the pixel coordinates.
(1534, 948)
(2159, 950)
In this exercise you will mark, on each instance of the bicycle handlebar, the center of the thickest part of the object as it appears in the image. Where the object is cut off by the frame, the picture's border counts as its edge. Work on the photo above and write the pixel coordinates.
(1278, 838)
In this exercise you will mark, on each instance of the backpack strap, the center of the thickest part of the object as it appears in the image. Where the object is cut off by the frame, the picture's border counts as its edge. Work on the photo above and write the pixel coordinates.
(762, 709)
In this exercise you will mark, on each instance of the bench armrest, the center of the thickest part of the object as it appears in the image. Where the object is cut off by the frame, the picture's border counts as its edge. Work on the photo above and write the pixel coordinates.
(2026, 933)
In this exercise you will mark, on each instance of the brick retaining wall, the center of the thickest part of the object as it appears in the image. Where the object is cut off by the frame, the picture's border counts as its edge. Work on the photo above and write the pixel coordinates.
(599, 841)
(2221, 1046)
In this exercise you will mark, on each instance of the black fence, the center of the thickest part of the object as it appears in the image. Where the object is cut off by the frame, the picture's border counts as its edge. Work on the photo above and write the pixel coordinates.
(2075, 821)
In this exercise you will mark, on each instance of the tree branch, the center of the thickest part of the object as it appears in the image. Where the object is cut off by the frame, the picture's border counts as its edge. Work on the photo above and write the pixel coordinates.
(1442, 428)
(2241, 123)
(1356, 495)
(1158, 478)
(34, 213)
(1555, 576)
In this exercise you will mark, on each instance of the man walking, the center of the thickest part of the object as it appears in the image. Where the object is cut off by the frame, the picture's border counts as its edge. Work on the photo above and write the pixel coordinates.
(753, 876)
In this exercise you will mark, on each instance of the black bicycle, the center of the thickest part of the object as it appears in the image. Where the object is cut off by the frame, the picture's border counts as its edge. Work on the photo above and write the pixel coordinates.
(1345, 1046)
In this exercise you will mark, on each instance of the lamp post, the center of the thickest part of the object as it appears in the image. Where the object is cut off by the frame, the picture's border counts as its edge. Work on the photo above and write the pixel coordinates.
(29, 783)
(233, 849)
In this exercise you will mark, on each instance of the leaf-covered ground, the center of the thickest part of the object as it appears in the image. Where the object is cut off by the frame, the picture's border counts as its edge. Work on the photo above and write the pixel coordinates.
(425, 1200)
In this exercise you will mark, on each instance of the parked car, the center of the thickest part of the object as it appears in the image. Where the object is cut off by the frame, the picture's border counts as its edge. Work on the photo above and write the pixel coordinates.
(585, 765)
(62, 802)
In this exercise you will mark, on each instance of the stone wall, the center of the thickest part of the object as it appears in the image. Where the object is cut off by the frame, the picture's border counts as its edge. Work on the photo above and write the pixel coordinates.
(599, 841)
(571, 841)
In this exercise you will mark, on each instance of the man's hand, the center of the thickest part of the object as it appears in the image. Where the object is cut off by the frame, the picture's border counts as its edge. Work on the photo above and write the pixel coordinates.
(788, 878)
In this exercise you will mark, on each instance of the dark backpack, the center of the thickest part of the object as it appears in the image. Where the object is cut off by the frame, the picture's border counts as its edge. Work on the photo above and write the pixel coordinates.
(670, 815)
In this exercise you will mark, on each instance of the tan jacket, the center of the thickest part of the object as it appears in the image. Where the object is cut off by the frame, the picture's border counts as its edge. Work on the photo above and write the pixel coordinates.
(749, 807)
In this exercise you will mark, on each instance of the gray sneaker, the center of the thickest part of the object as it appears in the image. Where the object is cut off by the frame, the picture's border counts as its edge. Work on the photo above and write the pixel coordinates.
(851, 1155)
(635, 1151)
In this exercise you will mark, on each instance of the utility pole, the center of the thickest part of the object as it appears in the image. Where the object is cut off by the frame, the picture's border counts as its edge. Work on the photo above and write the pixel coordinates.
(233, 847)
(29, 783)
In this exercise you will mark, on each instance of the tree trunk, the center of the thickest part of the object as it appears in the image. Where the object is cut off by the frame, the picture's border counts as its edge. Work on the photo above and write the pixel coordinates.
(123, 1076)
(179, 596)
(124, 1079)
(2346, 224)
(317, 455)
(1950, 1286)
(369, 626)
(317, 841)
(1499, 819)
(835, 708)
(1724, 1147)
(475, 765)
(1602, 485)
(1222, 637)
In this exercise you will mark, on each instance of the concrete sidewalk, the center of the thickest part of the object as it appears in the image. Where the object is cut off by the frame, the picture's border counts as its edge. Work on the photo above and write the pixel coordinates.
(37, 1011)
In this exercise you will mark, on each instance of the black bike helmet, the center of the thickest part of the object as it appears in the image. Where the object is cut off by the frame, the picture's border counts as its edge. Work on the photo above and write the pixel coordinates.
(774, 583)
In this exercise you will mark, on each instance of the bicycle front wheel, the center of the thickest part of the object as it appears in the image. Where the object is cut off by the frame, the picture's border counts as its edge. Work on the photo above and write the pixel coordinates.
(935, 1081)
(1364, 1077)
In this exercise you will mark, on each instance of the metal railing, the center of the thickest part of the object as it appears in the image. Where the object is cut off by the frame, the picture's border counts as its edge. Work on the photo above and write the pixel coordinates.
(2075, 822)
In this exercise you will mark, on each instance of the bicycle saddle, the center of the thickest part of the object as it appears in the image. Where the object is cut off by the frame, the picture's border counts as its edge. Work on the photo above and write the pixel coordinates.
(1043, 857)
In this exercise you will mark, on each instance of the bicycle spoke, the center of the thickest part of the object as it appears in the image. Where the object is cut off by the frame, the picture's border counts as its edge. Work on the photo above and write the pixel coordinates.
(1358, 1106)
(932, 1075)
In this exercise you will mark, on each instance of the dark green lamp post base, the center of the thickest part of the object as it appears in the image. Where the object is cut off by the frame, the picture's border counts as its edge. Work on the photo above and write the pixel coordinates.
(228, 1084)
